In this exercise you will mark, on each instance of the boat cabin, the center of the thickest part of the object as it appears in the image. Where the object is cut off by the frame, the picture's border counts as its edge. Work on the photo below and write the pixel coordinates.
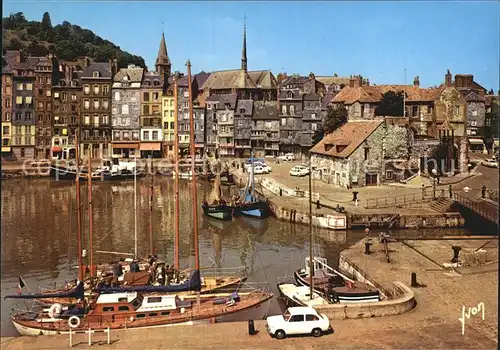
(319, 264)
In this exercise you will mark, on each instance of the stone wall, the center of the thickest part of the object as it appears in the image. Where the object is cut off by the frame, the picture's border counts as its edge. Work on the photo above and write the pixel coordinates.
(476, 114)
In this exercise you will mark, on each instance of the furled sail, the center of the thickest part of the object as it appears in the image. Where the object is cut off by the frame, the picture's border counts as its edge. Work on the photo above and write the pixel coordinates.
(76, 292)
(215, 195)
(192, 284)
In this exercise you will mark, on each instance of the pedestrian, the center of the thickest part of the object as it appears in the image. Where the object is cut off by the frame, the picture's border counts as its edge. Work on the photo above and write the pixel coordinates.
(117, 269)
(423, 191)
(134, 266)
(450, 191)
(483, 191)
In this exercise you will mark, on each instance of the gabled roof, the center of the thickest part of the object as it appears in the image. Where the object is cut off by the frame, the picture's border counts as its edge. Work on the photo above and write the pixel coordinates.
(134, 74)
(326, 100)
(350, 136)
(227, 98)
(312, 97)
(265, 110)
(374, 94)
(296, 95)
(239, 79)
(150, 78)
(349, 95)
(333, 80)
(201, 78)
(471, 95)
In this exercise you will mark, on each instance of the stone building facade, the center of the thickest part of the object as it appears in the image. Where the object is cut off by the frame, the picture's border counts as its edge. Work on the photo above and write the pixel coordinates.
(225, 124)
(290, 113)
(168, 115)
(151, 117)
(66, 96)
(243, 128)
(265, 129)
(211, 139)
(126, 112)
(311, 121)
(96, 79)
(10, 59)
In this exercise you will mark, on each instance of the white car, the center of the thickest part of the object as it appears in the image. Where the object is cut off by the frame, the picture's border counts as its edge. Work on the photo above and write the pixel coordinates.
(287, 157)
(257, 170)
(267, 168)
(298, 320)
(299, 170)
(490, 163)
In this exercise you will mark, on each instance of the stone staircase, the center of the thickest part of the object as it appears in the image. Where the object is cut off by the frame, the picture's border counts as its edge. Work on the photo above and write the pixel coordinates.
(442, 205)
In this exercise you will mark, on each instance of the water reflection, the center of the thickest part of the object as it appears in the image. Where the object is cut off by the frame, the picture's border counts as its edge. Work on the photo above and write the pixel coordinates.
(39, 233)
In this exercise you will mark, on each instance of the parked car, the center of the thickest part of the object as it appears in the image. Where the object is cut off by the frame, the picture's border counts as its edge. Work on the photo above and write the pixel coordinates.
(264, 165)
(490, 163)
(258, 169)
(298, 320)
(40, 163)
(287, 157)
(299, 170)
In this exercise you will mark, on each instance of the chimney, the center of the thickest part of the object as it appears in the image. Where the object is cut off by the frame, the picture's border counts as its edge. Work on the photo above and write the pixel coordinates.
(355, 81)
(86, 61)
(115, 66)
(447, 79)
(311, 75)
(416, 81)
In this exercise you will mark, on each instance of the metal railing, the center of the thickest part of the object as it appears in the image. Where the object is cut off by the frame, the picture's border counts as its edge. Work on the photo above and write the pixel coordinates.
(481, 208)
(401, 200)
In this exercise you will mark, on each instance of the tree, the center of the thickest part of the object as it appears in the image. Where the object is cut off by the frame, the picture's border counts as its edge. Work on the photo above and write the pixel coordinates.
(46, 30)
(335, 118)
(14, 44)
(391, 104)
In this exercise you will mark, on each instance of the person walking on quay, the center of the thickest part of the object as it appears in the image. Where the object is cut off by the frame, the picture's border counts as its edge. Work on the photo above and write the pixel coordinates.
(450, 190)
(118, 269)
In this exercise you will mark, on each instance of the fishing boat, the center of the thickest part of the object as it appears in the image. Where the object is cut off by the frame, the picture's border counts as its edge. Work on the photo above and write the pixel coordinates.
(333, 285)
(300, 295)
(125, 310)
(215, 207)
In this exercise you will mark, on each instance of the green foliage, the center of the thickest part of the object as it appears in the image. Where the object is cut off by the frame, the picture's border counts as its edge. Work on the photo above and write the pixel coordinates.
(67, 41)
(391, 104)
(336, 117)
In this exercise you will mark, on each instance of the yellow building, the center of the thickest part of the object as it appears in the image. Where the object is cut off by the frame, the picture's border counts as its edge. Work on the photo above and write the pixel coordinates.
(168, 123)
(6, 132)
(23, 141)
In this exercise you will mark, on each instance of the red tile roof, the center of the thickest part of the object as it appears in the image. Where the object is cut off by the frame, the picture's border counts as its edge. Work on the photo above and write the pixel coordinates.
(373, 94)
(348, 137)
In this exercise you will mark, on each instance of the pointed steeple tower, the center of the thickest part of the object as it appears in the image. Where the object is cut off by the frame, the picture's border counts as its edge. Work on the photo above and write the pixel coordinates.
(244, 50)
(163, 64)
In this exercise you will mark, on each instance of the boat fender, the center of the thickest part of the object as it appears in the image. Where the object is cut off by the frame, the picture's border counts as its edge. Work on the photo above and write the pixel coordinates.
(183, 310)
(74, 321)
(131, 319)
(55, 310)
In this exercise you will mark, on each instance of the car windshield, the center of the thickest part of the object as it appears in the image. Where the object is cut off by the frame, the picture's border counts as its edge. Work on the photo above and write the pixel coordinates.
(286, 315)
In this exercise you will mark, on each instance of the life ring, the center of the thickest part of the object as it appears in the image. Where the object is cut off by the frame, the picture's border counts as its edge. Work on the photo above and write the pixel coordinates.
(55, 310)
(72, 324)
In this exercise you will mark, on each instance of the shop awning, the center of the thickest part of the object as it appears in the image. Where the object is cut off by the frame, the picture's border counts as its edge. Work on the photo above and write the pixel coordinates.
(56, 149)
(125, 145)
(476, 142)
(151, 146)
(5, 149)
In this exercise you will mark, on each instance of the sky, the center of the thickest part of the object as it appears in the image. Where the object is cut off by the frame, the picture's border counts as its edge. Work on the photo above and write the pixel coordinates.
(379, 40)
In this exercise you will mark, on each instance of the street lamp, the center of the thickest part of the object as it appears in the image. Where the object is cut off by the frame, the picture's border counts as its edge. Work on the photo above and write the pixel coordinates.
(434, 175)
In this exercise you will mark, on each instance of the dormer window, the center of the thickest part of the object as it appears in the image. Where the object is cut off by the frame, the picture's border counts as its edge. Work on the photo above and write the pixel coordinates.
(156, 83)
(242, 110)
(227, 105)
(328, 146)
(95, 74)
(289, 94)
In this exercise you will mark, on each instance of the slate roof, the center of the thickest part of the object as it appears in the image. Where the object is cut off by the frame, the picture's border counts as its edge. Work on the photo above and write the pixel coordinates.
(134, 74)
(149, 78)
(102, 67)
(265, 110)
(471, 95)
(293, 80)
(213, 98)
(246, 105)
(351, 135)
(333, 80)
(228, 98)
(201, 78)
(312, 97)
(326, 100)
(296, 94)
(238, 79)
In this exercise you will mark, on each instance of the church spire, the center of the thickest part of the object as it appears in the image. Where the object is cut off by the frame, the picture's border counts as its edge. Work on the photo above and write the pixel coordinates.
(244, 51)
(163, 65)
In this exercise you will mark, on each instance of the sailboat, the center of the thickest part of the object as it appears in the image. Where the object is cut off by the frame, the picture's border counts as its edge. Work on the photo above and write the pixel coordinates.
(249, 204)
(215, 207)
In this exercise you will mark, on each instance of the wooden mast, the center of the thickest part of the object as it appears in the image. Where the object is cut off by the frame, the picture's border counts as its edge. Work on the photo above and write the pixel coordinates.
(151, 249)
(311, 264)
(176, 177)
(78, 209)
(91, 262)
(193, 175)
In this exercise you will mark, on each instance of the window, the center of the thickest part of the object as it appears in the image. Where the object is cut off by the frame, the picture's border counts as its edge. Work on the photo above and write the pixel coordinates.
(414, 111)
(23, 152)
(28, 116)
(172, 125)
(292, 109)
(7, 117)
(86, 119)
(296, 318)
(96, 103)
(96, 120)
(86, 104)
(96, 89)
(86, 89)
(473, 123)
(367, 153)
(312, 318)
(389, 174)
(29, 100)
(108, 309)
(474, 113)
(155, 96)
(314, 126)
(186, 104)
(19, 86)
(153, 314)
(155, 135)
(313, 116)
(64, 96)
(145, 96)
(18, 116)
(283, 121)
(5, 130)
(186, 127)
(283, 109)
(48, 93)
(124, 109)
(47, 80)
(289, 94)
(145, 109)
(457, 109)
(105, 119)
(117, 95)
(488, 121)
(95, 74)
(140, 316)
(105, 89)
(73, 97)
(19, 100)
(165, 313)
(146, 135)
(123, 308)
(29, 86)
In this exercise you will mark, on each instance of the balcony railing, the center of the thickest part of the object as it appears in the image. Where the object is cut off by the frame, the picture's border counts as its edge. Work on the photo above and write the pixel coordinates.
(226, 145)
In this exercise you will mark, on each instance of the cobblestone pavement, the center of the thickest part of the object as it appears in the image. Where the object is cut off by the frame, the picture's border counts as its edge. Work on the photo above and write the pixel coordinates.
(444, 293)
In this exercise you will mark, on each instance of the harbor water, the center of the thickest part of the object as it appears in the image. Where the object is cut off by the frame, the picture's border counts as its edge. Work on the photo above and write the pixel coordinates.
(39, 240)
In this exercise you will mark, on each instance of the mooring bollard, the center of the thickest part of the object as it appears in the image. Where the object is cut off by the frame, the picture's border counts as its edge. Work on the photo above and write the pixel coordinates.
(251, 327)
(70, 338)
(367, 248)
(318, 206)
(414, 282)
